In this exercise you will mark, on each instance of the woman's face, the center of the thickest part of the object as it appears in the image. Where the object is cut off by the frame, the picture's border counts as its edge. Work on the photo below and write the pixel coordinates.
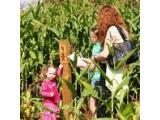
(51, 73)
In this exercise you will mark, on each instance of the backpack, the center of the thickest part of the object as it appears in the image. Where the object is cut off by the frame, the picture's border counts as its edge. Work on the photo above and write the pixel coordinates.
(121, 50)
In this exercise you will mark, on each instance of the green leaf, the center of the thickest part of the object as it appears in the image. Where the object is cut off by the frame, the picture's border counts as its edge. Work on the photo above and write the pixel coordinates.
(128, 110)
(70, 86)
(111, 50)
(121, 96)
(103, 73)
(120, 115)
(32, 54)
(105, 118)
(75, 59)
(40, 57)
(82, 73)
(36, 23)
(28, 94)
(124, 59)
(80, 103)
(123, 83)
(88, 87)
(65, 107)
(137, 109)
(38, 105)
(54, 30)
(22, 67)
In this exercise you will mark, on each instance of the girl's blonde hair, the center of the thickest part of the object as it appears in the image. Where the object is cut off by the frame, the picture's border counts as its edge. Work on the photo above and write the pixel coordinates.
(44, 70)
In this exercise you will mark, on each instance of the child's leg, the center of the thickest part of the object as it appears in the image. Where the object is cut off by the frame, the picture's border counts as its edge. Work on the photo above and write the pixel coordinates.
(53, 113)
(53, 116)
(48, 116)
(92, 101)
(92, 105)
(52, 107)
(45, 116)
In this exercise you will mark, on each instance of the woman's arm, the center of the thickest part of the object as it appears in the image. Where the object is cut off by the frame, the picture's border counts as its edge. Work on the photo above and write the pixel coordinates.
(104, 53)
(87, 60)
(111, 37)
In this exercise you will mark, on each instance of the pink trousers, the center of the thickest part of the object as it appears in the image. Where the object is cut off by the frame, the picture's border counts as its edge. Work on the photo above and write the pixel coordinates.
(50, 115)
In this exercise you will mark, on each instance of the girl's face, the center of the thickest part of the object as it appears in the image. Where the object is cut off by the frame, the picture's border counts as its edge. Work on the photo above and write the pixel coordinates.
(93, 37)
(51, 73)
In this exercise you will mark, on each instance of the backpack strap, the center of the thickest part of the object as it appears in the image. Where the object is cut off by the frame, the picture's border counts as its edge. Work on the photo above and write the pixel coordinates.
(121, 32)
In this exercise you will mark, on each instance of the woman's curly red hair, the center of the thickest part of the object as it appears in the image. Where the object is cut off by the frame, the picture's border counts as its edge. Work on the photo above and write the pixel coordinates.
(108, 16)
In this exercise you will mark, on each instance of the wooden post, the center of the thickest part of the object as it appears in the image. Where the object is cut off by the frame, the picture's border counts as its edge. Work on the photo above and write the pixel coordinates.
(65, 48)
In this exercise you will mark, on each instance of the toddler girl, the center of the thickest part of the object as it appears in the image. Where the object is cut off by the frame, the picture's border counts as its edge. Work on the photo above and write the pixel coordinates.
(49, 91)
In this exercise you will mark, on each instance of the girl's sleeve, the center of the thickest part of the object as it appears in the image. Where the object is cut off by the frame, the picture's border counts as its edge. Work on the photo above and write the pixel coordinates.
(56, 95)
(59, 71)
(44, 92)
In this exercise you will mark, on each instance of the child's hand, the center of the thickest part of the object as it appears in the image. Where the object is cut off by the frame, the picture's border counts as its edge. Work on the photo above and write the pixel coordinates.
(60, 69)
(60, 66)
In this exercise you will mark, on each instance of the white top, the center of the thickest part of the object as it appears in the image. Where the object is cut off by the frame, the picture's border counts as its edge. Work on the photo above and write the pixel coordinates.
(112, 36)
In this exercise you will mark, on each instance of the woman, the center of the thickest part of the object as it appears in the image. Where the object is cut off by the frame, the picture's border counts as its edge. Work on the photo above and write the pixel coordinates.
(108, 20)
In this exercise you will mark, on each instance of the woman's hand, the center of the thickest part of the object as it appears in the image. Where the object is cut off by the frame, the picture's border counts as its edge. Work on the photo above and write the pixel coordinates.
(92, 67)
(87, 60)
(90, 63)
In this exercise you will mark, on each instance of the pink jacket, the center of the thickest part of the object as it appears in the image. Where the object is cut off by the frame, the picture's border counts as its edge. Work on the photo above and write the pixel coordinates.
(49, 88)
